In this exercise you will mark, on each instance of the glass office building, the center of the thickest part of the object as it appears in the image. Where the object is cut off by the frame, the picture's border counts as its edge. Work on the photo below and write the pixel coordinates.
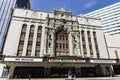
(110, 18)
(6, 7)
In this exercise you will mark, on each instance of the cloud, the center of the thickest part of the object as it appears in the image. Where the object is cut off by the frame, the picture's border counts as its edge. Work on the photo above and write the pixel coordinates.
(90, 4)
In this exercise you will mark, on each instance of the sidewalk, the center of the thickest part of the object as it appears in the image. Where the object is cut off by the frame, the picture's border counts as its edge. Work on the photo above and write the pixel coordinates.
(92, 78)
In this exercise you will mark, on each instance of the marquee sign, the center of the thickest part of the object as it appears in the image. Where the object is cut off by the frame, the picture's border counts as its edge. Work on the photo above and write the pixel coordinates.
(23, 59)
(104, 61)
(67, 60)
(93, 61)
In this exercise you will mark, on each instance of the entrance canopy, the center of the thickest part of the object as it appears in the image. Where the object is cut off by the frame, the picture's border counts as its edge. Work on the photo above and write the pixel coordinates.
(59, 60)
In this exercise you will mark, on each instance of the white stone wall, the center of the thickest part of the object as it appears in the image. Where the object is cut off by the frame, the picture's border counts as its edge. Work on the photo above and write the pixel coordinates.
(90, 24)
(38, 18)
(113, 43)
(12, 40)
(102, 46)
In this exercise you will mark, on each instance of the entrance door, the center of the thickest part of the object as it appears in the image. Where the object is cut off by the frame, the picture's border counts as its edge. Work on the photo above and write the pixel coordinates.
(88, 71)
(116, 69)
(28, 72)
(61, 72)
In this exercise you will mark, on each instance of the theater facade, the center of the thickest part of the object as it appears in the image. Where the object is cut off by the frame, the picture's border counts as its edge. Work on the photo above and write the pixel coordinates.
(42, 44)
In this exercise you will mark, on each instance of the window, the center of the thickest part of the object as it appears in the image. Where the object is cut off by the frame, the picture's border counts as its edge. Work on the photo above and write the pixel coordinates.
(5, 72)
(20, 53)
(30, 43)
(32, 27)
(88, 32)
(37, 53)
(66, 45)
(89, 39)
(82, 32)
(56, 37)
(95, 39)
(96, 47)
(98, 56)
(29, 53)
(39, 35)
(83, 39)
(31, 35)
(0, 58)
(21, 43)
(38, 44)
(90, 46)
(60, 37)
(91, 55)
(60, 45)
(23, 34)
(40, 28)
(94, 33)
(56, 45)
(84, 46)
(85, 54)
(24, 25)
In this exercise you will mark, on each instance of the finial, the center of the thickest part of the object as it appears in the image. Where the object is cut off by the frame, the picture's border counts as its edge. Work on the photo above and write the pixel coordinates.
(62, 9)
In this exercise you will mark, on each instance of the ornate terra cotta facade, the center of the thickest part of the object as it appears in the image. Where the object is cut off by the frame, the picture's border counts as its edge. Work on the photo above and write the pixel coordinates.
(62, 36)
(54, 44)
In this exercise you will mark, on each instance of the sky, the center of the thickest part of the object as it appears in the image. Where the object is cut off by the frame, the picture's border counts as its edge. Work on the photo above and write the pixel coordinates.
(75, 6)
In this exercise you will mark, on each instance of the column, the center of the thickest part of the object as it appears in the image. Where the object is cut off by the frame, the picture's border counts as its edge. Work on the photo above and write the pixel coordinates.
(34, 41)
(103, 70)
(43, 41)
(78, 45)
(11, 71)
(70, 44)
(111, 70)
(53, 43)
(48, 71)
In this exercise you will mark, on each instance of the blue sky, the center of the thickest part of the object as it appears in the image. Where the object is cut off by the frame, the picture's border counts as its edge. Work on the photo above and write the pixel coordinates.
(76, 6)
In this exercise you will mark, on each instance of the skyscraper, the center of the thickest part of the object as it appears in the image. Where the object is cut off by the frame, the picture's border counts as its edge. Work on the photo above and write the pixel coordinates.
(110, 18)
(23, 4)
(6, 7)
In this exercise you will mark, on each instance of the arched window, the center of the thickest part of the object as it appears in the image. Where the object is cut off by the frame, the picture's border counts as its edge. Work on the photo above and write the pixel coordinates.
(22, 39)
(38, 41)
(30, 40)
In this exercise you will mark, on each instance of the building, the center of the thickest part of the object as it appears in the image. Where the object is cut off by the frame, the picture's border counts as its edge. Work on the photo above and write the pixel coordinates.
(23, 4)
(6, 7)
(54, 44)
(110, 18)
(113, 45)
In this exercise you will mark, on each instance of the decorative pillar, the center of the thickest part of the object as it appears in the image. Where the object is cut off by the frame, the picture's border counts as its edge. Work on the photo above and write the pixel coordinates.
(48, 71)
(70, 44)
(103, 70)
(44, 42)
(78, 46)
(11, 71)
(111, 70)
(53, 43)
